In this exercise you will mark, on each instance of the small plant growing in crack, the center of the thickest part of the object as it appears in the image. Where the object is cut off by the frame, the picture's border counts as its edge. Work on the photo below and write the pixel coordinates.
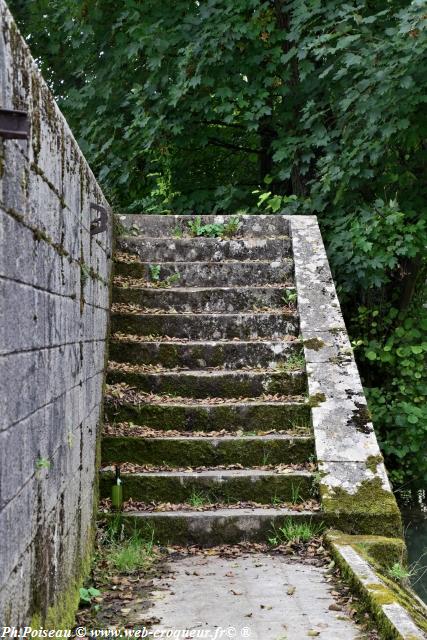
(132, 554)
(198, 499)
(293, 363)
(155, 273)
(290, 298)
(295, 532)
(41, 464)
(295, 494)
(87, 595)
(215, 229)
(155, 270)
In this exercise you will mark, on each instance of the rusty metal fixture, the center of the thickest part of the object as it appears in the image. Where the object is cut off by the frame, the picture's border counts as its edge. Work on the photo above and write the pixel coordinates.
(99, 224)
(14, 124)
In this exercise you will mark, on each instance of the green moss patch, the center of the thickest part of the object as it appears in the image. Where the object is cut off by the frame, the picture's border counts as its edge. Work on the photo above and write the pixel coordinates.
(205, 452)
(262, 489)
(370, 510)
(231, 417)
(315, 344)
(376, 549)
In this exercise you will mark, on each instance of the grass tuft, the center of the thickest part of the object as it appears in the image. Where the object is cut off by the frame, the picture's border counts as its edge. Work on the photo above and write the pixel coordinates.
(295, 532)
(131, 554)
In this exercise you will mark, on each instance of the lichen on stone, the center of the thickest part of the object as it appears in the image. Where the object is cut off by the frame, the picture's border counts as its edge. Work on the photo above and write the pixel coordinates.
(314, 344)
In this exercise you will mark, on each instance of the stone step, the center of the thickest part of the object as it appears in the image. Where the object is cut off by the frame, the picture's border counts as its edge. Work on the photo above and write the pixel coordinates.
(210, 274)
(205, 249)
(198, 451)
(232, 354)
(212, 485)
(209, 528)
(247, 415)
(203, 299)
(200, 383)
(156, 226)
(199, 326)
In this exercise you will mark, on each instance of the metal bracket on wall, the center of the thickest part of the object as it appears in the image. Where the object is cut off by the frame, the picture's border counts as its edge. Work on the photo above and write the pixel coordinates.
(14, 124)
(100, 224)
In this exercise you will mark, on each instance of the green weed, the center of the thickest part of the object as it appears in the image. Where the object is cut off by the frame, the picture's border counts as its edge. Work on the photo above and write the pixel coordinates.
(131, 554)
(296, 532)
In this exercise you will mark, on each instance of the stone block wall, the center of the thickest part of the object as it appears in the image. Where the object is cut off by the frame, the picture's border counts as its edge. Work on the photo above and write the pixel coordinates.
(54, 288)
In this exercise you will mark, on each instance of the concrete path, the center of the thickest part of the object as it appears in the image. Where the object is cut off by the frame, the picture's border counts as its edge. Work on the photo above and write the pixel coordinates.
(256, 596)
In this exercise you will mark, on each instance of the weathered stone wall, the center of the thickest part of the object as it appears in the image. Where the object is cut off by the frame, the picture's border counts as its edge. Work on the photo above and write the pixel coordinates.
(54, 301)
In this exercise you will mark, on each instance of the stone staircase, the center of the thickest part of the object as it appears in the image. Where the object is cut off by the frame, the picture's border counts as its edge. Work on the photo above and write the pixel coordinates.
(206, 408)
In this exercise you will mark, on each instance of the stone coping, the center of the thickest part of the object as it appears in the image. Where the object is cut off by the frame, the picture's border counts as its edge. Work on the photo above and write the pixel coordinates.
(364, 560)
(353, 481)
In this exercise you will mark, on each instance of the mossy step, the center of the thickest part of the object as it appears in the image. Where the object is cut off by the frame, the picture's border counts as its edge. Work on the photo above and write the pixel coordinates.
(208, 300)
(198, 450)
(209, 528)
(213, 485)
(232, 354)
(232, 416)
(205, 384)
(213, 274)
(205, 249)
(201, 326)
(156, 226)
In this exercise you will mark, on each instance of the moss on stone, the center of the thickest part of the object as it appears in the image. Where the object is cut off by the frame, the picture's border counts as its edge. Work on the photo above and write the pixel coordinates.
(371, 509)
(205, 452)
(165, 488)
(225, 386)
(380, 550)
(316, 399)
(315, 344)
(372, 462)
(375, 595)
(249, 417)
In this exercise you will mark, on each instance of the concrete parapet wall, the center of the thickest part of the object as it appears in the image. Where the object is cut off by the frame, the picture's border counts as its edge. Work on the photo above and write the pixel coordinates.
(355, 492)
(54, 283)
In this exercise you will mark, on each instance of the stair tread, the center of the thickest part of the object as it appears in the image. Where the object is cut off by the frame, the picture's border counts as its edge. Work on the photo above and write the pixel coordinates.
(222, 438)
(208, 314)
(215, 473)
(191, 289)
(122, 337)
(206, 372)
(230, 512)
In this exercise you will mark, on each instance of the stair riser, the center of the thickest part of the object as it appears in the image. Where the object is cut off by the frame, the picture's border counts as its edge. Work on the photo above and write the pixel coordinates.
(213, 530)
(187, 452)
(264, 490)
(205, 249)
(230, 355)
(203, 300)
(158, 226)
(206, 327)
(249, 418)
(206, 274)
(229, 385)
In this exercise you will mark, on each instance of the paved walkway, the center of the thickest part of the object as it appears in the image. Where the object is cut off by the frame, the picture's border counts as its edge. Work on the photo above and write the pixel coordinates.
(256, 596)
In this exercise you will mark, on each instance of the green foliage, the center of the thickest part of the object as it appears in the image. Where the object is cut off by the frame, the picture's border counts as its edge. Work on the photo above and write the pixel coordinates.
(155, 270)
(399, 573)
(130, 554)
(214, 230)
(43, 463)
(295, 532)
(86, 595)
(173, 113)
(290, 297)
